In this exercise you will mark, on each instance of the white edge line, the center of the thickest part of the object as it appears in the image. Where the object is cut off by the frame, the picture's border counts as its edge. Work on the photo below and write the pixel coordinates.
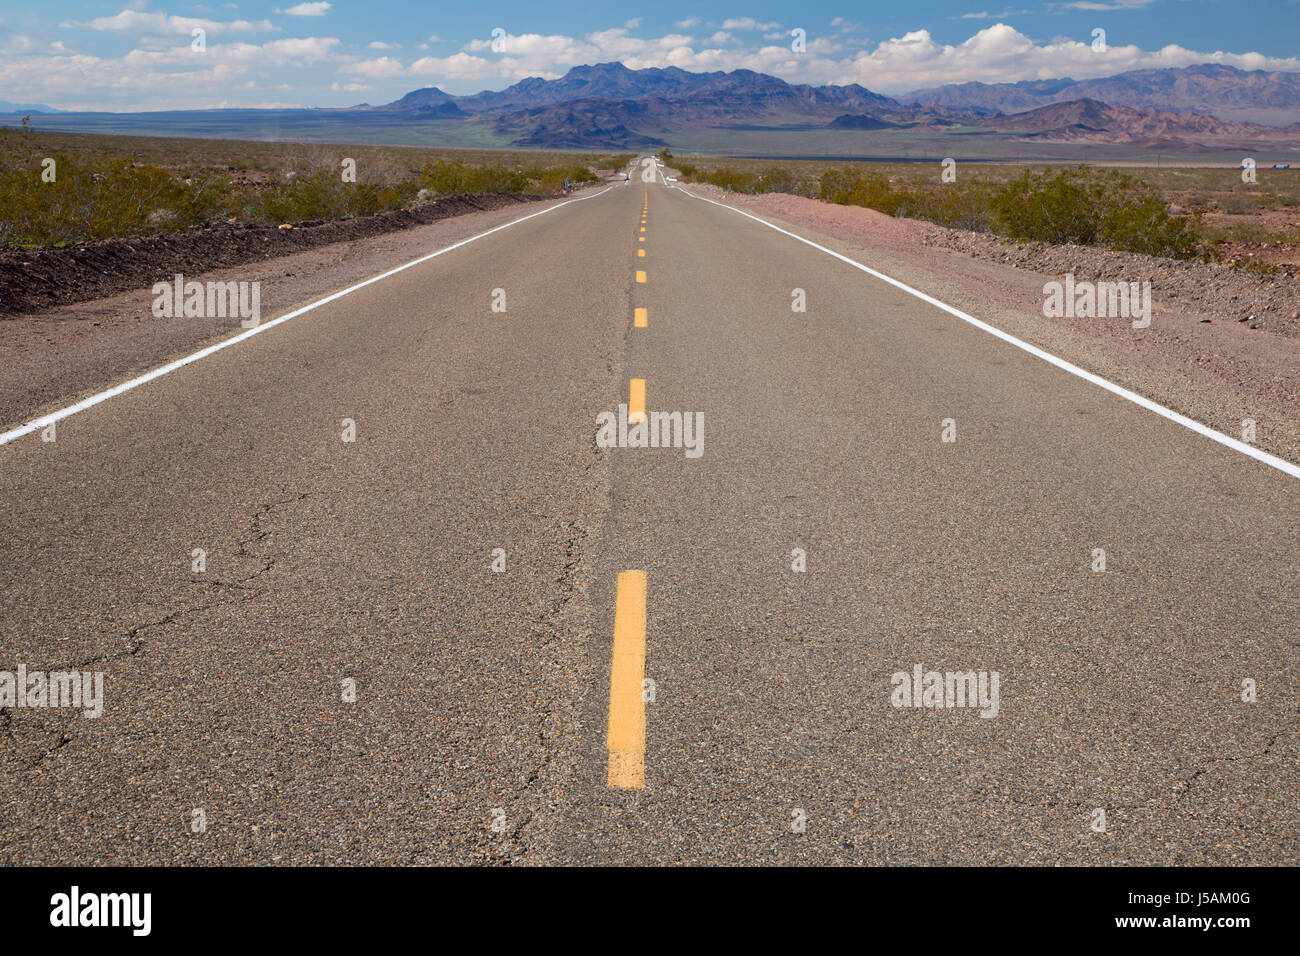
(1250, 450)
(28, 427)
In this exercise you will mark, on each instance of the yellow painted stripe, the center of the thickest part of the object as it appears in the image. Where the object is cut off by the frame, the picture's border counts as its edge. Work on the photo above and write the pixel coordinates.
(640, 275)
(641, 319)
(643, 228)
(626, 738)
(636, 401)
(640, 253)
(640, 238)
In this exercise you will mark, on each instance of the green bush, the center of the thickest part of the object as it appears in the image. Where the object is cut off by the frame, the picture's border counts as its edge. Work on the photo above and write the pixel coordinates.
(1144, 224)
(95, 201)
(447, 178)
(552, 180)
(735, 181)
(1115, 210)
(872, 190)
(324, 195)
(778, 179)
(1049, 208)
(964, 206)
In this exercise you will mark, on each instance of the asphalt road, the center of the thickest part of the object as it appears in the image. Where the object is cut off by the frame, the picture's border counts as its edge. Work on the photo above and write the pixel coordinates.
(487, 702)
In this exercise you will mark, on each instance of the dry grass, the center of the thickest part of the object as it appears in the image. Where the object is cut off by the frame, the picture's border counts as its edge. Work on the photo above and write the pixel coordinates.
(107, 186)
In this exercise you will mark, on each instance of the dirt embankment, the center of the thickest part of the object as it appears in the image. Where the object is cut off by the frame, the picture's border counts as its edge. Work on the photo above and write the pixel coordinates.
(1267, 302)
(32, 280)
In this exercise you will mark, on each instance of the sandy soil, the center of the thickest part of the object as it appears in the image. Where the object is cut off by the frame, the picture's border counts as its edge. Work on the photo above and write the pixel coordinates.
(1196, 357)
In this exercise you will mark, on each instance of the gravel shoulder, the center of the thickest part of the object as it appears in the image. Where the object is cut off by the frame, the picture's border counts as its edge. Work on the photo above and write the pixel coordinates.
(1196, 358)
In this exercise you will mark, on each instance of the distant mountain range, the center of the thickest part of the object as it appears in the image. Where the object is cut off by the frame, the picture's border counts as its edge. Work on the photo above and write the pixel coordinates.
(1222, 91)
(608, 106)
(7, 107)
(1204, 111)
(614, 81)
(1091, 121)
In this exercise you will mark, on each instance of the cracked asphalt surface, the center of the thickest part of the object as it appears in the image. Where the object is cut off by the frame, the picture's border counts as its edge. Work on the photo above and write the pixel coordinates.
(478, 730)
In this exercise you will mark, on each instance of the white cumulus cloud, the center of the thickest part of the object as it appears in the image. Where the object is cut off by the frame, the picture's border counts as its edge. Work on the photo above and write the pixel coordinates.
(143, 22)
(307, 9)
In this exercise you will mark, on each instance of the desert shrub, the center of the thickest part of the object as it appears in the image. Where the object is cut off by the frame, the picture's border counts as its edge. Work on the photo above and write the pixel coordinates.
(1239, 202)
(778, 179)
(324, 195)
(837, 186)
(735, 180)
(99, 192)
(552, 179)
(871, 189)
(1144, 224)
(446, 178)
(956, 205)
(1114, 209)
(1254, 265)
(1046, 207)
(96, 200)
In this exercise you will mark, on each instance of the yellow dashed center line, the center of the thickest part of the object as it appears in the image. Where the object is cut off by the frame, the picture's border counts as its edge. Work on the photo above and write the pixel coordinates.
(636, 401)
(626, 737)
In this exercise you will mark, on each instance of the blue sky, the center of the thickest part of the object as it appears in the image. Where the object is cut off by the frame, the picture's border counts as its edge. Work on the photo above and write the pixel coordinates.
(139, 56)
